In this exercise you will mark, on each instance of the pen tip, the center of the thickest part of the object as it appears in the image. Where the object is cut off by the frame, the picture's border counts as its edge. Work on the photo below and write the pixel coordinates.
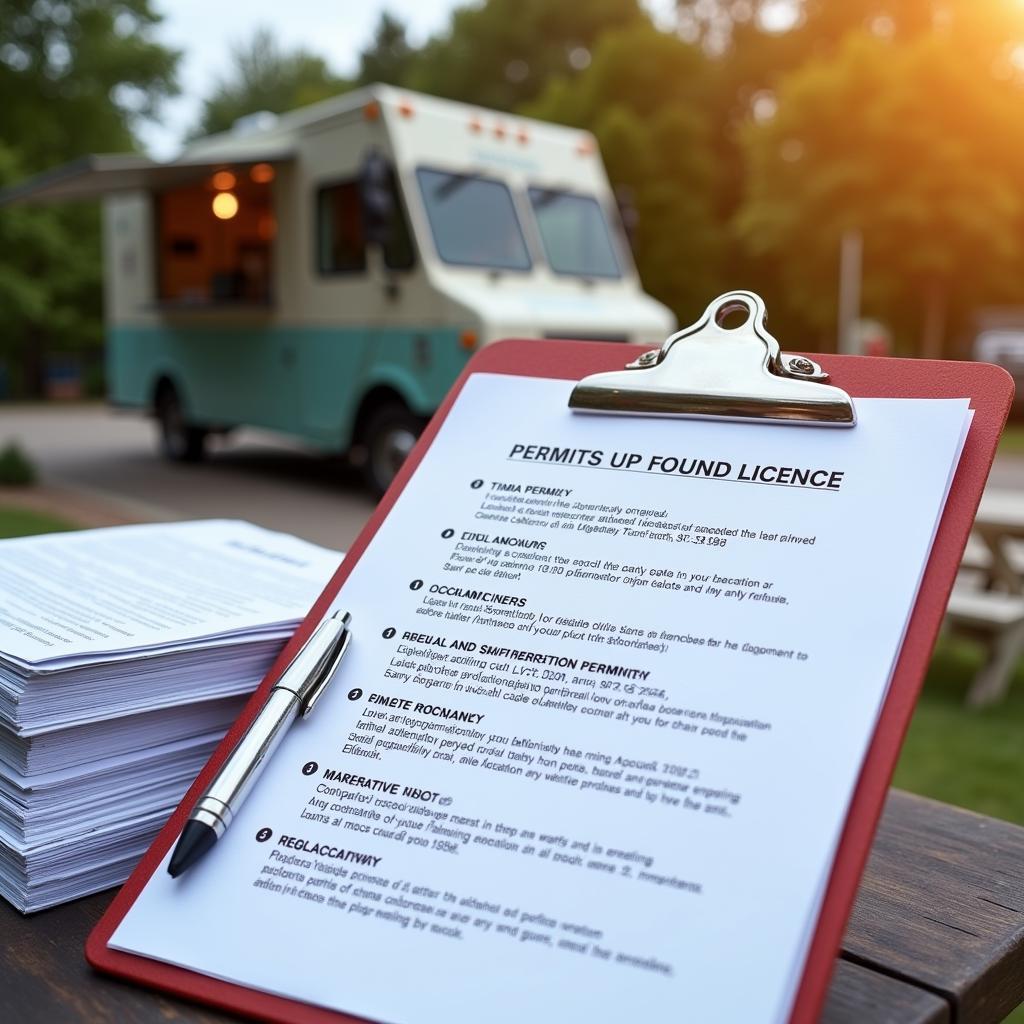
(195, 840)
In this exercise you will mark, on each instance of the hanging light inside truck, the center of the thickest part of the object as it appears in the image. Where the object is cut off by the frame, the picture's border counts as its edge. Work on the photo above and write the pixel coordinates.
(225, 205)
(262, 174)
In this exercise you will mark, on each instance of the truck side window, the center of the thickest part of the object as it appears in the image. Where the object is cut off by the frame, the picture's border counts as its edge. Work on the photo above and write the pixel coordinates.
(341, 235)
(341, 244)
(575, 233)
(473, 220)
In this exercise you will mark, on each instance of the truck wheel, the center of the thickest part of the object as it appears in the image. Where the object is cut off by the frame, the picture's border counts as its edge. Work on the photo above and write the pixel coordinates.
(388, 437)
(179, 440)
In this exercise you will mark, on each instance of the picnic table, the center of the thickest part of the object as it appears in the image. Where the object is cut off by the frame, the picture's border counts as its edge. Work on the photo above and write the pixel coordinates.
(990, 604)
(936, 937)
(1000, 523)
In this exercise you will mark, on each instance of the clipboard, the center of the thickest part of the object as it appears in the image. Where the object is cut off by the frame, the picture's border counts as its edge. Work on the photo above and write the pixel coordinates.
(708, 371)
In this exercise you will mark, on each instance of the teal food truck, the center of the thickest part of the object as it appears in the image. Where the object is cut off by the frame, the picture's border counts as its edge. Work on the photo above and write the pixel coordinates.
(327, 273)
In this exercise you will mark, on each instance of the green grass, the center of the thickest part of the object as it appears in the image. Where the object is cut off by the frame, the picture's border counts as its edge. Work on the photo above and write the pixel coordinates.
(23, 522)
(971, 758)
(1012, 441)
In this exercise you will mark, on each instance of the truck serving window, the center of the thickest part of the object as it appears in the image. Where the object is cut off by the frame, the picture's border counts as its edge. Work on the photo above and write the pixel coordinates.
(575, 233)
(473, 220)
(214, 239)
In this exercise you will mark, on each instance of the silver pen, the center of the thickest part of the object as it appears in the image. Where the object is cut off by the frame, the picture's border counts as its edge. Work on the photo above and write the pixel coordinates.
(301, 685)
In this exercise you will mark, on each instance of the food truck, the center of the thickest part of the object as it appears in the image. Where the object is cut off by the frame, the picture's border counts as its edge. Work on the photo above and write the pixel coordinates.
(328, 272)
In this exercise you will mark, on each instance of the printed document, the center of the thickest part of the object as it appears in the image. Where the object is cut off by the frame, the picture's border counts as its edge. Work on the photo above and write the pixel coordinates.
(67, 597)
(611, 683)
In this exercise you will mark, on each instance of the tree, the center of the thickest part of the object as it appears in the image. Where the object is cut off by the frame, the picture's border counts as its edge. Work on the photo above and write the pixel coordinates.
(389, 57)
(263, 77)
(645, 96)
(75, 77)
(752, 59)
(908, 144)
(504, 52)
(816, 27)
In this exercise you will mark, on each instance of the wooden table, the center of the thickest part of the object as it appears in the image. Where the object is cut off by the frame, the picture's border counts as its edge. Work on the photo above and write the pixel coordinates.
(993, 613)
(1000, 520)
(936, 937)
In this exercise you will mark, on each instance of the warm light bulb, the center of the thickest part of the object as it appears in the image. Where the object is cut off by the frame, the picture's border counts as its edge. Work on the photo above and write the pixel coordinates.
(262, 174)
(223, 180)
(225, 205)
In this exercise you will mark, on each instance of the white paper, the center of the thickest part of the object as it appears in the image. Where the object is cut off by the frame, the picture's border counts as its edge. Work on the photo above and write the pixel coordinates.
(98, 626)
(738, 713)
(126, 589)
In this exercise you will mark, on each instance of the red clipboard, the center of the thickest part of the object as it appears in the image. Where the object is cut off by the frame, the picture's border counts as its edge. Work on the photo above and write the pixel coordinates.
(990, 390)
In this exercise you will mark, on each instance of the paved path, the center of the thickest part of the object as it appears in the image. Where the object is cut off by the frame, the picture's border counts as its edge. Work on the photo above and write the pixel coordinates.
(110, 457)
(1008, 474)
(93, 455)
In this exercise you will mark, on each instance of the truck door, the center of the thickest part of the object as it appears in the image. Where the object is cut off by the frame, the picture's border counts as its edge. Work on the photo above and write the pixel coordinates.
(334, 346)
(365, 250)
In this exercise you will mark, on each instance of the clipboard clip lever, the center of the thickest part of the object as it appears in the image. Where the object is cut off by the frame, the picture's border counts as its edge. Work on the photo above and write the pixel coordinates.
(711, 371)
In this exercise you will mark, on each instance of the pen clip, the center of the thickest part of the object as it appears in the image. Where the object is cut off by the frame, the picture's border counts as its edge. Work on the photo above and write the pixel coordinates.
(327, 667)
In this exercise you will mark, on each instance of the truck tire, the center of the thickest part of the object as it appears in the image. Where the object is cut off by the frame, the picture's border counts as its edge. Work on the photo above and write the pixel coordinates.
(180, 441)
(388, 436)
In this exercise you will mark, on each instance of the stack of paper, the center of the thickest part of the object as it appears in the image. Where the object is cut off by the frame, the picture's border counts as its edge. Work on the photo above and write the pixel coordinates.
(125, 654)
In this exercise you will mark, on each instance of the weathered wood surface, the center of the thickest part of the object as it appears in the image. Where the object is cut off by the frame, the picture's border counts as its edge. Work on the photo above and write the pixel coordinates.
(859, 995)
(44, 978)
(942, 905)
(937, 937)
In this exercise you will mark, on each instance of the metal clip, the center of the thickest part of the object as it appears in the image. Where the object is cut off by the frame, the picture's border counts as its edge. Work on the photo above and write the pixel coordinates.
(309, 672)
(329, 662)
(709, 371)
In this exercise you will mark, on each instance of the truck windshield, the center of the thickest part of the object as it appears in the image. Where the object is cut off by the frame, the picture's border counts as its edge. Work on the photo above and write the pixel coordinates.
(473, 220)
(575, 233)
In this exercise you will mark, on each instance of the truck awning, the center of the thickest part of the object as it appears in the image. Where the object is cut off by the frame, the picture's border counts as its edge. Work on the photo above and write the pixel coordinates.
(96, 175)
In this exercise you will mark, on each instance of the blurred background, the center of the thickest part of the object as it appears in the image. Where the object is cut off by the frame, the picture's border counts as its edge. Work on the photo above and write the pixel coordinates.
(750, 137)
(860, 164)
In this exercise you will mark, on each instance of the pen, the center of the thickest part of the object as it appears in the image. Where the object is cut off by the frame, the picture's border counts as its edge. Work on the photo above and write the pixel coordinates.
(299, 688)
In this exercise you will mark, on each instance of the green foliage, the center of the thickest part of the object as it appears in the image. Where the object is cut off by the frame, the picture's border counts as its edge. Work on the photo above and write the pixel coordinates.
(897, 118)
(754, 67)
(15, 467)
(503, 53)
(819, 26)
(389, 58)
(906, 144)
(645, 96)
(264, 77)
(50, 294)
(75, 77)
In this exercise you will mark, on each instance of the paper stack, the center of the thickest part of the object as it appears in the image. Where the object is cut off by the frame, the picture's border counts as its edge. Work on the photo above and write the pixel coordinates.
(125, 654)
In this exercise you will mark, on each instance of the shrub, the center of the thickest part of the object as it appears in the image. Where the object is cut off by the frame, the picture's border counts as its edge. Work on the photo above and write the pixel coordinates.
(15, 467)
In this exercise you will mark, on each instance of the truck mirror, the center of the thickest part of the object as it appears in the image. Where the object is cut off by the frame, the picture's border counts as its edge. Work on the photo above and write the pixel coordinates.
(625, 199)
(377, 198)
